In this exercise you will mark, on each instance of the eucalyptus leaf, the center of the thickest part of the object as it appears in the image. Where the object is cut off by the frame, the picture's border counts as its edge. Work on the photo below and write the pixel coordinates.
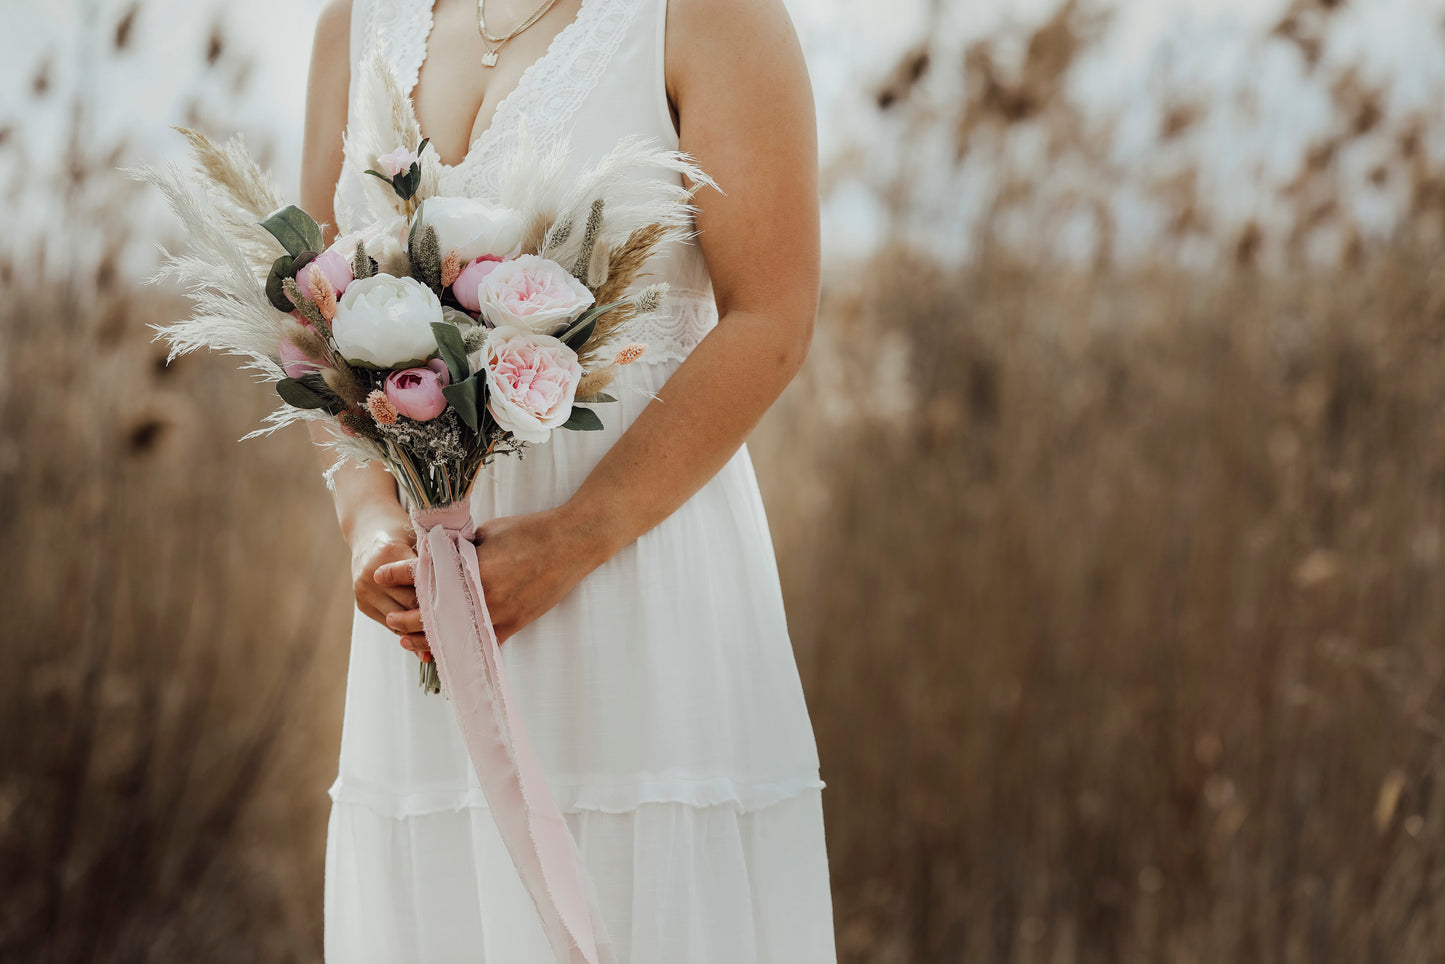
(275, 293)
(465, 397)
(295, 229)
(453, 352)
(597, 399)
(298, 394)
(583, 420)
(576, 336)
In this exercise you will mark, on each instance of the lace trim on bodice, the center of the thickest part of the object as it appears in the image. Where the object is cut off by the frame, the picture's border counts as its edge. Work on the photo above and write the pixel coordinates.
(403, 27)
(674, 330)
(548, 93)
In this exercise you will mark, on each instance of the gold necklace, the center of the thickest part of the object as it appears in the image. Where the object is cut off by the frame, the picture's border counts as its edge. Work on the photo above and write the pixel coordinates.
(489, 59)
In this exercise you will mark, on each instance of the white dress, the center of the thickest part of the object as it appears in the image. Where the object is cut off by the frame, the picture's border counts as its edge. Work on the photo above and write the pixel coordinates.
(661, 695)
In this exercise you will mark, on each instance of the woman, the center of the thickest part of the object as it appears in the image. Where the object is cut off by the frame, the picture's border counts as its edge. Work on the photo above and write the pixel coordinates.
(629, 572)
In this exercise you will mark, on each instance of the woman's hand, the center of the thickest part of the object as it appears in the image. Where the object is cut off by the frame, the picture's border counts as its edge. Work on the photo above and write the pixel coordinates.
(527, 563)
(381, 535)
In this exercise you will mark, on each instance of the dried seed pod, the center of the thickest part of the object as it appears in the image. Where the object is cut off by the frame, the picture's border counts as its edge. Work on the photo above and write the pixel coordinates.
(347, 385)
(595, 381)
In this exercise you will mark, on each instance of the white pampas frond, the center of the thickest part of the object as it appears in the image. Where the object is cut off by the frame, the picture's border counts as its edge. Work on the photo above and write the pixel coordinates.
(230, 168)
(535, 184)
(283, 416)
(357, 450)
(384, 121)
(634, 196)
(225, 274)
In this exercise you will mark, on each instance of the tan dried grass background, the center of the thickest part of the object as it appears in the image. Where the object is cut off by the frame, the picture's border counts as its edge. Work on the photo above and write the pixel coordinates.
(1115, 587)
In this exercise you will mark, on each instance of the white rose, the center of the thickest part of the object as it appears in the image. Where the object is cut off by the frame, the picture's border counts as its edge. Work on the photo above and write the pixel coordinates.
(472, 228)
(531, 382)
(532, 292)
(384, 321)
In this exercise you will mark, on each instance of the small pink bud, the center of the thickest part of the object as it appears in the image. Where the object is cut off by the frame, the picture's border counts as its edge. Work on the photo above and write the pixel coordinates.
(396, 162)
(468, 283)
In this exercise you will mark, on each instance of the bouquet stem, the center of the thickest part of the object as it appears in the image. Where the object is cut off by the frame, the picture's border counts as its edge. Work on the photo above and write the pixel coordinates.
(429, 679)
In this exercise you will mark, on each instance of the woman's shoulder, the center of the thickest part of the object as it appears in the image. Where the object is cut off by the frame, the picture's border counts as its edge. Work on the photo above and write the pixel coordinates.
(332, 44)
(335, 17)
(737, 39)
(756, 20)
(703, 33)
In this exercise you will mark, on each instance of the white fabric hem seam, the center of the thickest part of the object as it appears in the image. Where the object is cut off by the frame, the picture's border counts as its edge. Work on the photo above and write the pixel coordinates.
(743, 799)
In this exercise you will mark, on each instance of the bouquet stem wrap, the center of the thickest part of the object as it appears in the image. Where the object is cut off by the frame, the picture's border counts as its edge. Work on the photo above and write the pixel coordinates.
(459, 632)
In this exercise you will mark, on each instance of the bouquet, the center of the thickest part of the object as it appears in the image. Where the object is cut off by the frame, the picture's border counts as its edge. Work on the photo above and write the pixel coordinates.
(434, 334)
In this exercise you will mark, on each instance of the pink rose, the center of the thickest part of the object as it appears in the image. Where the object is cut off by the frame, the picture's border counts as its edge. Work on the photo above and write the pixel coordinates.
(396, 162)
(330, 265)
(464, 289)
(532, 292)
(294, 361)
(531, 381)
(417, 392)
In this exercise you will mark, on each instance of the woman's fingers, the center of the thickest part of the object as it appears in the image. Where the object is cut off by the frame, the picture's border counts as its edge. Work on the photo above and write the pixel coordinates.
(401, 574)
(403, 596)
(377, 605)
(396, 580)
(405, 621)
(413, 636)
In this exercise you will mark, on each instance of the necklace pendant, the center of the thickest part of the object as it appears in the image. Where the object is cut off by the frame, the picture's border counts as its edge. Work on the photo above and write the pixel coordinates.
(489, 59)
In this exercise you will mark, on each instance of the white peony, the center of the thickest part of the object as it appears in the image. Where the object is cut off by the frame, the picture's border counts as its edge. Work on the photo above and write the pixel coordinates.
(385, 321)
(472, 227)
(532, 292)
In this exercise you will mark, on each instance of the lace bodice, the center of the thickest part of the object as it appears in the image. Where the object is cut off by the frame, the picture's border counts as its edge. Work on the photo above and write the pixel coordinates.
(600, 79)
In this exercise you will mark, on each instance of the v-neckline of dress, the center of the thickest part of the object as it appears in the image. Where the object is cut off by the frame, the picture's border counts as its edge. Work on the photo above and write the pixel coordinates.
(519, 90)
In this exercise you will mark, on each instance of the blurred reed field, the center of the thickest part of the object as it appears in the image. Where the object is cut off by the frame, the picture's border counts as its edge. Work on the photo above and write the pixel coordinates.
(1113, 566)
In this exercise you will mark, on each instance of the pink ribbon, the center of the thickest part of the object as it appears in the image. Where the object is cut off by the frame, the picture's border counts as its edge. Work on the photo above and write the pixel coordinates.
(469, 661)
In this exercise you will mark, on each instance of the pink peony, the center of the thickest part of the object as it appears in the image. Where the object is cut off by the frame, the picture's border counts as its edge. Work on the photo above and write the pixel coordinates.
(417, 392)
(532, 292)
(531, 382)
(396, 162)
(294, 361)
(466, 288)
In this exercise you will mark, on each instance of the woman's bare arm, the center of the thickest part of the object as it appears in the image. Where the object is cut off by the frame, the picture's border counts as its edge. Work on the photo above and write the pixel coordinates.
(372, 521)
(745, 109)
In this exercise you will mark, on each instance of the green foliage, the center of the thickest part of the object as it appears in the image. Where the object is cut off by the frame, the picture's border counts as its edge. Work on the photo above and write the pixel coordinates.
(583, 420)
(581, 330)
(295, 229)
(276, 281)
(453, 352)
(467, 398)
(309, 392)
